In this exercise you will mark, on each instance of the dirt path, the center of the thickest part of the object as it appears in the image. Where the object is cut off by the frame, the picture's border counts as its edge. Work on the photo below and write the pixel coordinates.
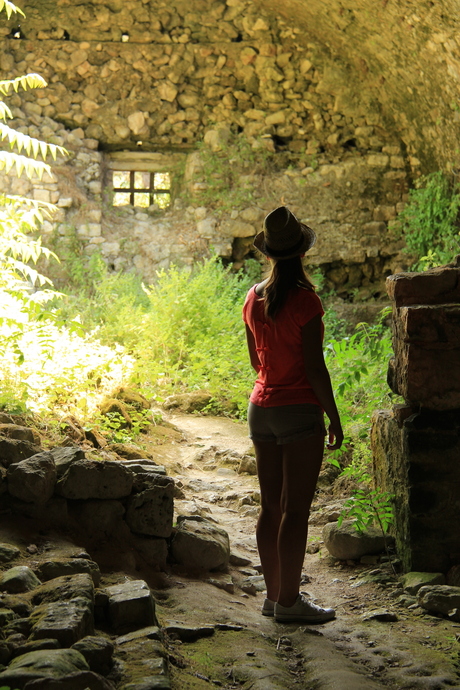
(412, 651)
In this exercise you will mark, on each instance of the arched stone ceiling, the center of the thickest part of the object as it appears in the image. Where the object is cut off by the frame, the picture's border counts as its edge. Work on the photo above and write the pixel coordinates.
(399, 56)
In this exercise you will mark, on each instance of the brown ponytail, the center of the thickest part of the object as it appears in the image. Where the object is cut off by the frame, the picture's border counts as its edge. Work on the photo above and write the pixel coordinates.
(285, 275)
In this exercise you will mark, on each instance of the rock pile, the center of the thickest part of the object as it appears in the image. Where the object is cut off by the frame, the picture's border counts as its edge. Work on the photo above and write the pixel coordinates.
(49, 636)
(129, 499)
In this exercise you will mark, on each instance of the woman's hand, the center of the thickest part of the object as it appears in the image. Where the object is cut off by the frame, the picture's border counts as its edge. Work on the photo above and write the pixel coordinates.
(335, 437)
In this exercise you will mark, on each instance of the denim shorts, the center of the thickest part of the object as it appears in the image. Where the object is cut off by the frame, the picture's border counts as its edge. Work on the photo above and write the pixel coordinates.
(285, 423)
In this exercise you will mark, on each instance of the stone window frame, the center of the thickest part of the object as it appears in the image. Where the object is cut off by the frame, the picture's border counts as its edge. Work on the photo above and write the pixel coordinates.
(143, 161)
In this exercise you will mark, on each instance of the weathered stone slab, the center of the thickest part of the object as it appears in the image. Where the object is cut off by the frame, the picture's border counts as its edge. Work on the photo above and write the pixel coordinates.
(102, 479)
(35, 646)
(50, 663)
(425, 369)
(53, 513)
(20, 433)
(65, 621)
(153, 632)
(150, 683)
(65, 588)
(200, 544)
(345, 542)
(98, 652)
(33, 479)
(416, 459)
(442, 599)
(151, 511)
(101, 519)
(12, 450)
(131, 606)
(72, 681)
(65, 457)
(437, 286)
(413, 581)
(70, 566)
(188, 633)
(19, 579)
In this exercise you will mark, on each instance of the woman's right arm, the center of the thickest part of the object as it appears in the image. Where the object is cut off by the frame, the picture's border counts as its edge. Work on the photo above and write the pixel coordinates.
(319, 379)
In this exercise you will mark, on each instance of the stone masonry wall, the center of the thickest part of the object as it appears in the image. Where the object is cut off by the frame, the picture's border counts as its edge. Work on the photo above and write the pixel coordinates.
(176, 78)
(416, 447)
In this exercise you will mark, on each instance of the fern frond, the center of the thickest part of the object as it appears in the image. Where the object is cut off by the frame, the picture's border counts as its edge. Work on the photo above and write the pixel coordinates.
(10, 8)
(9, 159)
(27, 81)
(20, 201)
(5, 111)
(31, 145)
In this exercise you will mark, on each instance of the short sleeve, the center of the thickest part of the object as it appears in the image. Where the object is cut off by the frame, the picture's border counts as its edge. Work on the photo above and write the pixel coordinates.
(246, 306)
(308, 305)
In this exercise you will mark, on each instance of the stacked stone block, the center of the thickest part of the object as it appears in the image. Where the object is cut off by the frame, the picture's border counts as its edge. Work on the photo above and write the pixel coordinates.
(416, 447)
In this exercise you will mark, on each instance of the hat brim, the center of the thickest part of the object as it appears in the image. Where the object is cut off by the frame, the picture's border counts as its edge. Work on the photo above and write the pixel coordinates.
(309, 239)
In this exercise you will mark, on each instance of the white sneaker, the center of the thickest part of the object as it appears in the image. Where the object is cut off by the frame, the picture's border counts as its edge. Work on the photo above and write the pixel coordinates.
(303, 611)
(268, 609)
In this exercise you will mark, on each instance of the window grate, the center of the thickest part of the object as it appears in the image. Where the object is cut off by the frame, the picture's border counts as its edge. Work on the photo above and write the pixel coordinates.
(141, 189)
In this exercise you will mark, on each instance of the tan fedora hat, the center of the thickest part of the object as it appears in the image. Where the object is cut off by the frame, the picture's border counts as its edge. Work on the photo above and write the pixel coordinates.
(283, 236)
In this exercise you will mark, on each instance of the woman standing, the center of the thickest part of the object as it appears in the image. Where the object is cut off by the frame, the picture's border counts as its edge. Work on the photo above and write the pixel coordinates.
(283, 317)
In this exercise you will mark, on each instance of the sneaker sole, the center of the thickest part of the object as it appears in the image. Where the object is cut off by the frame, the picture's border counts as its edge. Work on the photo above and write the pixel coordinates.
(303, 619)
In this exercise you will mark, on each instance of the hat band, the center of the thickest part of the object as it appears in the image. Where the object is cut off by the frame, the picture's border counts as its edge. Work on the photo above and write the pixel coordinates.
(285, 252)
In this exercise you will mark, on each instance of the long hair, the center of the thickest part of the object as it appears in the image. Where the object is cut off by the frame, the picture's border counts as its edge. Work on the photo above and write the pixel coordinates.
(285, 275)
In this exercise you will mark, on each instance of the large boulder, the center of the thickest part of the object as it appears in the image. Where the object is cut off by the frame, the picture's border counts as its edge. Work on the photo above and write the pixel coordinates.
(101, 479)
(198, 543)
(65, 621)
(346, 543)
(33, 480)
(18, 579)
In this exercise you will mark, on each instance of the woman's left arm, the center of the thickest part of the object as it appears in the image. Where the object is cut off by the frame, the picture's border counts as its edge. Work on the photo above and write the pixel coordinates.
(255, 363)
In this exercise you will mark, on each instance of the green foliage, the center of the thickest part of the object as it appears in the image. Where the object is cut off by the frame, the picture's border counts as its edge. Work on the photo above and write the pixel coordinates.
(368, 504)
(113, 426)
(430, 221)
(193, 335)
(358, 364)
(227, 175)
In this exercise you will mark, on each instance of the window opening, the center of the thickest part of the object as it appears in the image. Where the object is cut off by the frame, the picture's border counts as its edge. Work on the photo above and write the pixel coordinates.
(141, 189)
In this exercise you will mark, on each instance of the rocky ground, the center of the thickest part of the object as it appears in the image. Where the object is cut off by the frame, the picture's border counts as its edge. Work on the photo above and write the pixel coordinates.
(215, 634)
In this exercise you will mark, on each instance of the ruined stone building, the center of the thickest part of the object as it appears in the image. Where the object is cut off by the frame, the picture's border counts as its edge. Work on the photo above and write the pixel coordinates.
(187, 121)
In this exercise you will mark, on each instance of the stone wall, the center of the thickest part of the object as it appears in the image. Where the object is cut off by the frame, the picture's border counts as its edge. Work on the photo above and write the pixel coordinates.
(416, 446)
(137, 76)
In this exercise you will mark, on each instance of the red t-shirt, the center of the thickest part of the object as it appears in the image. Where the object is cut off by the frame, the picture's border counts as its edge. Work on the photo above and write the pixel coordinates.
(281, 377)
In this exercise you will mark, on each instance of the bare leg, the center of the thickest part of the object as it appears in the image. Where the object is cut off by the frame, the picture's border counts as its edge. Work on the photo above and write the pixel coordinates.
(269, 457)
(301, 465)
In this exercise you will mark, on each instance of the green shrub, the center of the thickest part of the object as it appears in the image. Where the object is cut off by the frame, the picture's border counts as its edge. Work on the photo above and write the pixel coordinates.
(430, 221)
